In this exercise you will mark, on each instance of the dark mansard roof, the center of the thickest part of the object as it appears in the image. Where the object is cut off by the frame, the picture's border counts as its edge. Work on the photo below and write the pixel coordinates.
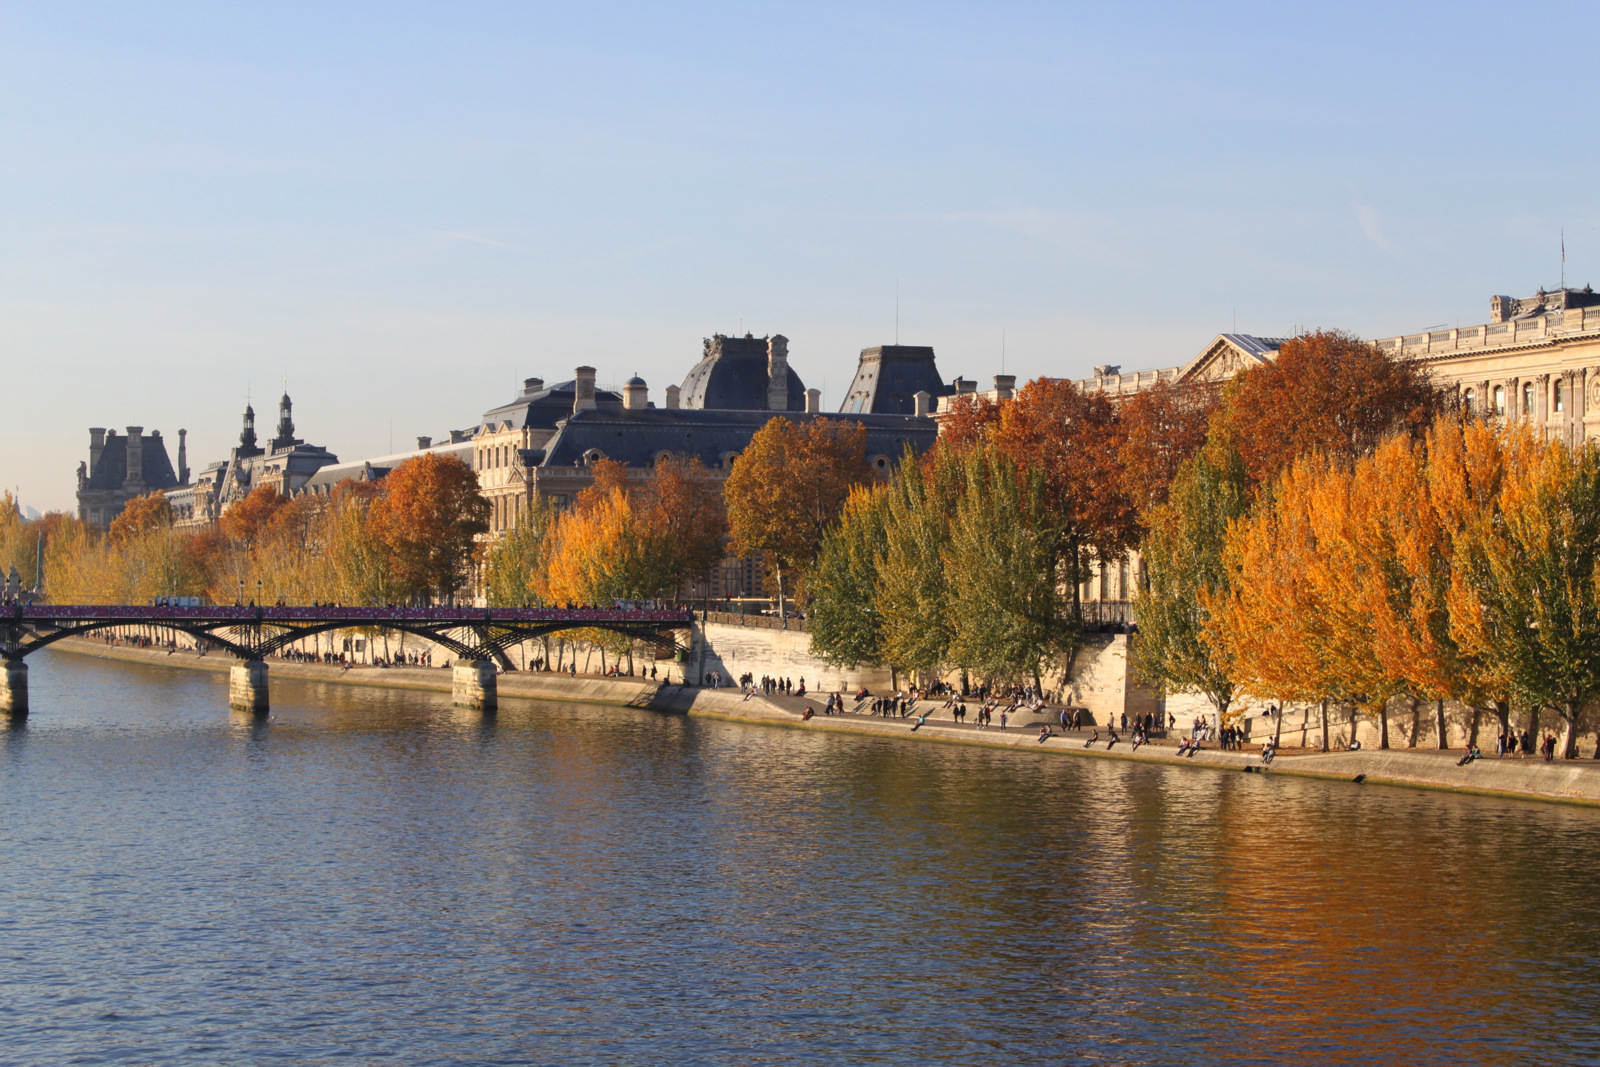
(112, 470)
(543, 407)
(732, 376)
(889, 377)
(637, 437)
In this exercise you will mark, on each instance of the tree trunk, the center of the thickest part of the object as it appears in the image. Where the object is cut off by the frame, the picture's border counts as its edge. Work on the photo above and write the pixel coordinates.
(1472, 735)
(1383, 725)
(1416, 721)
(1569, 732)
(783, 618)
(1438, 707)
(1324, 724)
(1277, 727)
(1502, 711)
(1533, 726)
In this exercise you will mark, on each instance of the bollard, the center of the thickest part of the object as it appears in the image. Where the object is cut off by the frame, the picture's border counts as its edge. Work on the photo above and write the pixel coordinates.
(247, 686)
(14, 688)
(473, 685)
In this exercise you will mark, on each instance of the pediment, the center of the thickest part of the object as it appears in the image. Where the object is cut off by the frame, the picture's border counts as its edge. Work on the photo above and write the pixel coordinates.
(1227, 355)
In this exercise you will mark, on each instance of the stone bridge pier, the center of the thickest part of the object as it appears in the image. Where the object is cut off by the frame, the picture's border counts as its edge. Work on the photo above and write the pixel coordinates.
(475, 685)
(247, 687)
(14, 688)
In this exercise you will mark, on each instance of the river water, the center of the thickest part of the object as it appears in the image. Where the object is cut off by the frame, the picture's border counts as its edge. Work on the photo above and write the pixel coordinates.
(376, 877)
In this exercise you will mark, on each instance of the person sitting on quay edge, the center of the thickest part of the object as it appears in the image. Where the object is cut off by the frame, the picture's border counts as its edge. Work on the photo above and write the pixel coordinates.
(1045, 733)
(1093, 737)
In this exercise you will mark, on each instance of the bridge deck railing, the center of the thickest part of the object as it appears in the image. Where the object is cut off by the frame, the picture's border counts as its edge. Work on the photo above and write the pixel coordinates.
(356, 615)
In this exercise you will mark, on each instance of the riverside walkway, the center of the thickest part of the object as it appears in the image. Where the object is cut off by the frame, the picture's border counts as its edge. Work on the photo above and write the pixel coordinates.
(477, 637)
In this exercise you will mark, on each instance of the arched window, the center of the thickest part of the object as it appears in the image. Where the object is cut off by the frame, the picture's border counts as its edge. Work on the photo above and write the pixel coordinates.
(1527, 398)
(1499, 400)
(1559, 396)
(1469, 398)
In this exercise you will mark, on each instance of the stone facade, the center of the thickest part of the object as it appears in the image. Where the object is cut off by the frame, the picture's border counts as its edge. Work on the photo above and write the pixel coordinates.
(287, 463)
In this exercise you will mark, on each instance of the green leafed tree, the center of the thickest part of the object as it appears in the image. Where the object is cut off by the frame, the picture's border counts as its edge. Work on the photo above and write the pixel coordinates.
(1183, 556)
(1005, 605)
(845, 621)
(913, 586)
(517, 558)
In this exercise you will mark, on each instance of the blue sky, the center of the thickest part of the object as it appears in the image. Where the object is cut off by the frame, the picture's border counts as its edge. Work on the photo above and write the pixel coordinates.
(407, 208)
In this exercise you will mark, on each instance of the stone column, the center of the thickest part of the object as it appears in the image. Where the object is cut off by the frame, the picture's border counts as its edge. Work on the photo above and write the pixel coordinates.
(247, 686)
(14, 688)
(813, 401)
(473, 684)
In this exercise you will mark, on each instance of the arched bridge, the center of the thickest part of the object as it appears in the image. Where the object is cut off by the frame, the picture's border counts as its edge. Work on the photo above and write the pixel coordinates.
(477, 637)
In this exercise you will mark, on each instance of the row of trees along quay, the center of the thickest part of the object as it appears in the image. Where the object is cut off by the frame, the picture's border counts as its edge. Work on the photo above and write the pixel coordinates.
(1328, 529)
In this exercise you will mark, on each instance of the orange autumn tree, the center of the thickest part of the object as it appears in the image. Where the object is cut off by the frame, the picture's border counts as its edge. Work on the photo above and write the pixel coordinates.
(682, 505)
(967, 419)
(243, 520)
(429, 516)
(1528, 579)
(1162, 428)
(1325, 392)
(1413, 502)
(788, 487)
(1070, 440)
(143, 513)
(603, 550)
(1290, 626)
(627, 540)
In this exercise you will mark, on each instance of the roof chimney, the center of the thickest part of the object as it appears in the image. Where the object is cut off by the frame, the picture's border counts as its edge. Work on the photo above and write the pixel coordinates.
(583, 390)
(921, 402)
(1005, 386)
(424, 442)
(531, 386)
(672, 397)
(183, 457)
(964, 386)
(778, 373)
(813, 401)
(97, 445)
(135, 457)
